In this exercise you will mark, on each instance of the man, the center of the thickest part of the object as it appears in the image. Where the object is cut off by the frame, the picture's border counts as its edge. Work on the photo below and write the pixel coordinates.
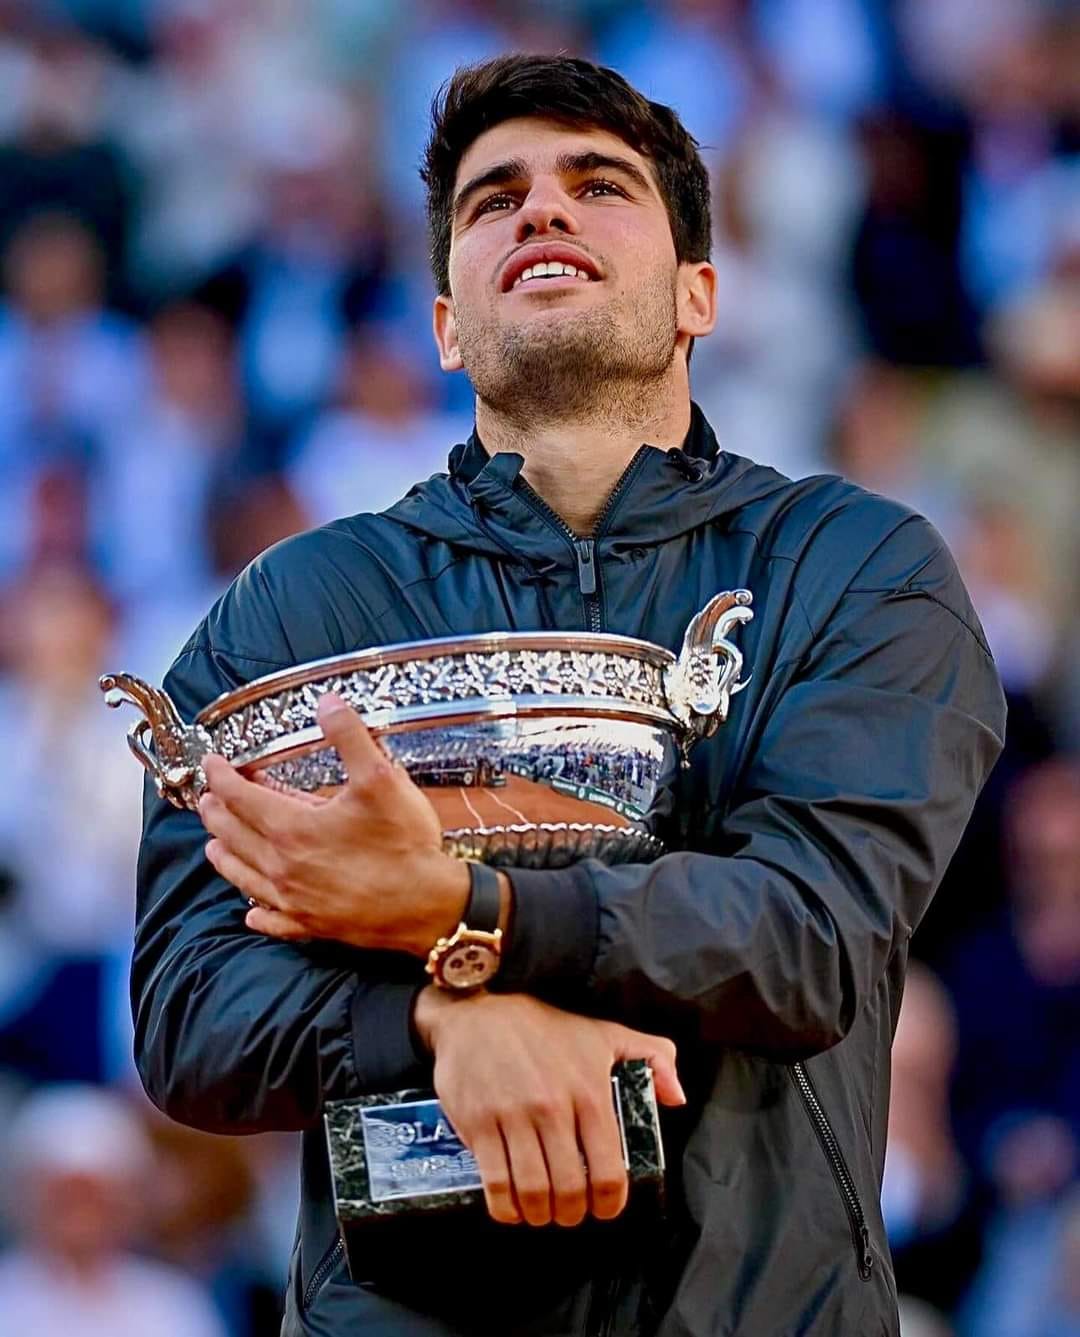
(570, 229)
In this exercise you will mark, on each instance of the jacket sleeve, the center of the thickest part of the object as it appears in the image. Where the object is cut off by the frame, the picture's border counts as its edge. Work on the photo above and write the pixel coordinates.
(235, 1032)
(860, 775)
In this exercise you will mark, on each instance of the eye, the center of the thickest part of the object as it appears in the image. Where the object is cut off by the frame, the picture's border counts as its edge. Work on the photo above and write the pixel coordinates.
(499, 200)
(603, 186)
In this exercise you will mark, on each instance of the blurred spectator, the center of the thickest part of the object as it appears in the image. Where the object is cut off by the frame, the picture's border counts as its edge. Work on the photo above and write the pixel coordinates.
(1017, 1091)
(930, 1212)
(189, 429)
(60, 156)
(1009, 74)
(71, 372)
(247, 515)
(906, 273)
(79, 1166)
(786, 202)
(384, 437)
(313, 267)
(1012, 444)
(69, 793)
(204, 1217)
(877, 444)
(1016, 989)
(182, 122)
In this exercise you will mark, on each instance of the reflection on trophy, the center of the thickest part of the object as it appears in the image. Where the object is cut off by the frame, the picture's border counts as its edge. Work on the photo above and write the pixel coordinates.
(536, 749)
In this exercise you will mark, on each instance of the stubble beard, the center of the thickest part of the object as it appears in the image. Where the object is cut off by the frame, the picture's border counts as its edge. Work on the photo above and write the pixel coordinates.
(599, 365)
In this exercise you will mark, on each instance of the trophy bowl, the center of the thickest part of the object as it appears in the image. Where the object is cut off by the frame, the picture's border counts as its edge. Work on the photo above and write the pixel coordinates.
(535, 748)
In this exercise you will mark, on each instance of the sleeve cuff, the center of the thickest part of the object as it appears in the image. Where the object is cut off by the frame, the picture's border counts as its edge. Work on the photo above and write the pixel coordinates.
(553, 931)
(385, 1045)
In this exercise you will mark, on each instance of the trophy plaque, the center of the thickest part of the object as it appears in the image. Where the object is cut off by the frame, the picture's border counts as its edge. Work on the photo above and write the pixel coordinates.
(397, 1156)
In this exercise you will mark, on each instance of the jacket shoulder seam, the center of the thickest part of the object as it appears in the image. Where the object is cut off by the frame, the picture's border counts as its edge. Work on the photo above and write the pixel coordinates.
(410, 584)
(206, 648)
(910, 588)
(767, 556)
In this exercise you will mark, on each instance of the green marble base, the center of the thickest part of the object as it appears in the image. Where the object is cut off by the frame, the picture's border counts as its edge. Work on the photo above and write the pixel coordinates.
(397, 1155)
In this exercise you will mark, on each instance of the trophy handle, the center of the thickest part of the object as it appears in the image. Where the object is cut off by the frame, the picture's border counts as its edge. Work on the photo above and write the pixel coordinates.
(174, 760)
(700, 684)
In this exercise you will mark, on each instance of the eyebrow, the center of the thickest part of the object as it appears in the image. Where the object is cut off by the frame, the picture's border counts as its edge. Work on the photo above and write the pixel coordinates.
(566, 164)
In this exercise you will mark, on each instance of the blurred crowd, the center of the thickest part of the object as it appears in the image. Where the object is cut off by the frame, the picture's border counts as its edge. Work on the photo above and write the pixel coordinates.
(214, 331)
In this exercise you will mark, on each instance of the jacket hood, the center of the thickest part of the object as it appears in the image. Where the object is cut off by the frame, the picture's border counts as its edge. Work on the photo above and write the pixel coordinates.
(483, 504)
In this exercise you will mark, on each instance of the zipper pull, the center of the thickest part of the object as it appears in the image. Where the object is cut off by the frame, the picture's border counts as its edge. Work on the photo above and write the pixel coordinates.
(866, 1262)
(586, 566)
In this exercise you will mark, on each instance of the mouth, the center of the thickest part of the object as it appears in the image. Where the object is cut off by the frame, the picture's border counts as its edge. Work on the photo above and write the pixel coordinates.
(551, 264)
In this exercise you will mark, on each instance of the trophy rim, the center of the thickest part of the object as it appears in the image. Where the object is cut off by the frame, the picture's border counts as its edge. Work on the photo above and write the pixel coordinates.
(300, 675)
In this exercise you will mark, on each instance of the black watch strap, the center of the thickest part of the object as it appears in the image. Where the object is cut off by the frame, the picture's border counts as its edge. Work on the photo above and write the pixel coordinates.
(482, 908)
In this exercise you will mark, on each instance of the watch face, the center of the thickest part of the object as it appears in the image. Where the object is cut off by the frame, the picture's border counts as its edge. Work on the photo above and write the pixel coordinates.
(468, 965)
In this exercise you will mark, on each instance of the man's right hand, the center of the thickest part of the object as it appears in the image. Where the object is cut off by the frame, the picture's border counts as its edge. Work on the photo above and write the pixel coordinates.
(528, 1089)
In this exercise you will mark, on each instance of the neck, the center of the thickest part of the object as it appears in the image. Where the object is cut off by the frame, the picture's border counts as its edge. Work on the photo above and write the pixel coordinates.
(574, 463)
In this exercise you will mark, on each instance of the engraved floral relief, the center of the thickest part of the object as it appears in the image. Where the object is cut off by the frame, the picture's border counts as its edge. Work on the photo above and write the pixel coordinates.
(493, 676)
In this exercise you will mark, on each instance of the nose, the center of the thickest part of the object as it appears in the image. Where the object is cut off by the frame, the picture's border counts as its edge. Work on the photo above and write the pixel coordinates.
(546, 208)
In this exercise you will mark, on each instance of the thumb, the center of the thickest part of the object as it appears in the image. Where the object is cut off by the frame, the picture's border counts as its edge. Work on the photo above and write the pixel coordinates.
(659, 1053)
(344, 730)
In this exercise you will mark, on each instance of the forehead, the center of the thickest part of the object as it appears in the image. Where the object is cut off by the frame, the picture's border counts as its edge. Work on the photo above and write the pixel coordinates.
(539, 143)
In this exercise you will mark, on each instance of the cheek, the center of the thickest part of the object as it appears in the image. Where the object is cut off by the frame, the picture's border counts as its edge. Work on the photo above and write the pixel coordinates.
(637, 256)
(471, 267)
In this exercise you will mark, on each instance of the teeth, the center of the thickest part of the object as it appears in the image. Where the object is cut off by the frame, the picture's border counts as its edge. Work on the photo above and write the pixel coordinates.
(550, 269)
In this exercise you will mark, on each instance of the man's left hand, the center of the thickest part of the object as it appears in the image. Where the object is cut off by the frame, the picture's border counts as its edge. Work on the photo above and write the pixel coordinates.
(364, 866)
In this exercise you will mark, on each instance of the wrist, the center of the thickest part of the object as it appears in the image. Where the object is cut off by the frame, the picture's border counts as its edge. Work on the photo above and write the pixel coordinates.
(429, 1009)
(446, 884)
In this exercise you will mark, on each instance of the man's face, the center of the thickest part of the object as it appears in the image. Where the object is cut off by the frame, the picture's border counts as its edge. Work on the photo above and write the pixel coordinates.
(535, 193)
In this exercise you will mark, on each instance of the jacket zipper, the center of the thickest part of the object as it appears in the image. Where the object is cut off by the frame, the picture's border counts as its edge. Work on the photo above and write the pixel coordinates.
(322, 1272)
(860, 1235)
(588, 575)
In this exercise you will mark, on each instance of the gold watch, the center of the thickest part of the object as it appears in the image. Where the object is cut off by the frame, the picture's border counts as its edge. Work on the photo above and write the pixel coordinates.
(469, 958)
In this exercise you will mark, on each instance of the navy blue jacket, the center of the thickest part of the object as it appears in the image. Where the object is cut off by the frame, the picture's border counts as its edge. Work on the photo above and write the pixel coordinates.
(771, 943)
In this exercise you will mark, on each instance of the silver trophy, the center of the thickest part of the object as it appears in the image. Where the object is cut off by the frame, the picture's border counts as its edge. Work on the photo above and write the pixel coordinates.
(536, 748)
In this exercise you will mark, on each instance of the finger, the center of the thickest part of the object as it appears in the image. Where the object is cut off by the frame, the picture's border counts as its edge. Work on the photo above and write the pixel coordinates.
(494, 1169)
(528, 1171)
(247, 880)
(364, 760)
(274, 924)
(598, 1131)
(262, 808)
(566, 1173)
(235, 834)
(659, 1053)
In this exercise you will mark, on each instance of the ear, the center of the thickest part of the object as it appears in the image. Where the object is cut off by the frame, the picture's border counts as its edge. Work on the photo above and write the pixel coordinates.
(696, 299)
(444, 328)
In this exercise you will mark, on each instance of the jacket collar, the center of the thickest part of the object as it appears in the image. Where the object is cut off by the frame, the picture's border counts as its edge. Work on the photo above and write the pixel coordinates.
(470, 458)
(486, 505)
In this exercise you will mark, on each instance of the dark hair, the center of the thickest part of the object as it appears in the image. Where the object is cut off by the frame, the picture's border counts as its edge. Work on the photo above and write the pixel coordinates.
(575, 93)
